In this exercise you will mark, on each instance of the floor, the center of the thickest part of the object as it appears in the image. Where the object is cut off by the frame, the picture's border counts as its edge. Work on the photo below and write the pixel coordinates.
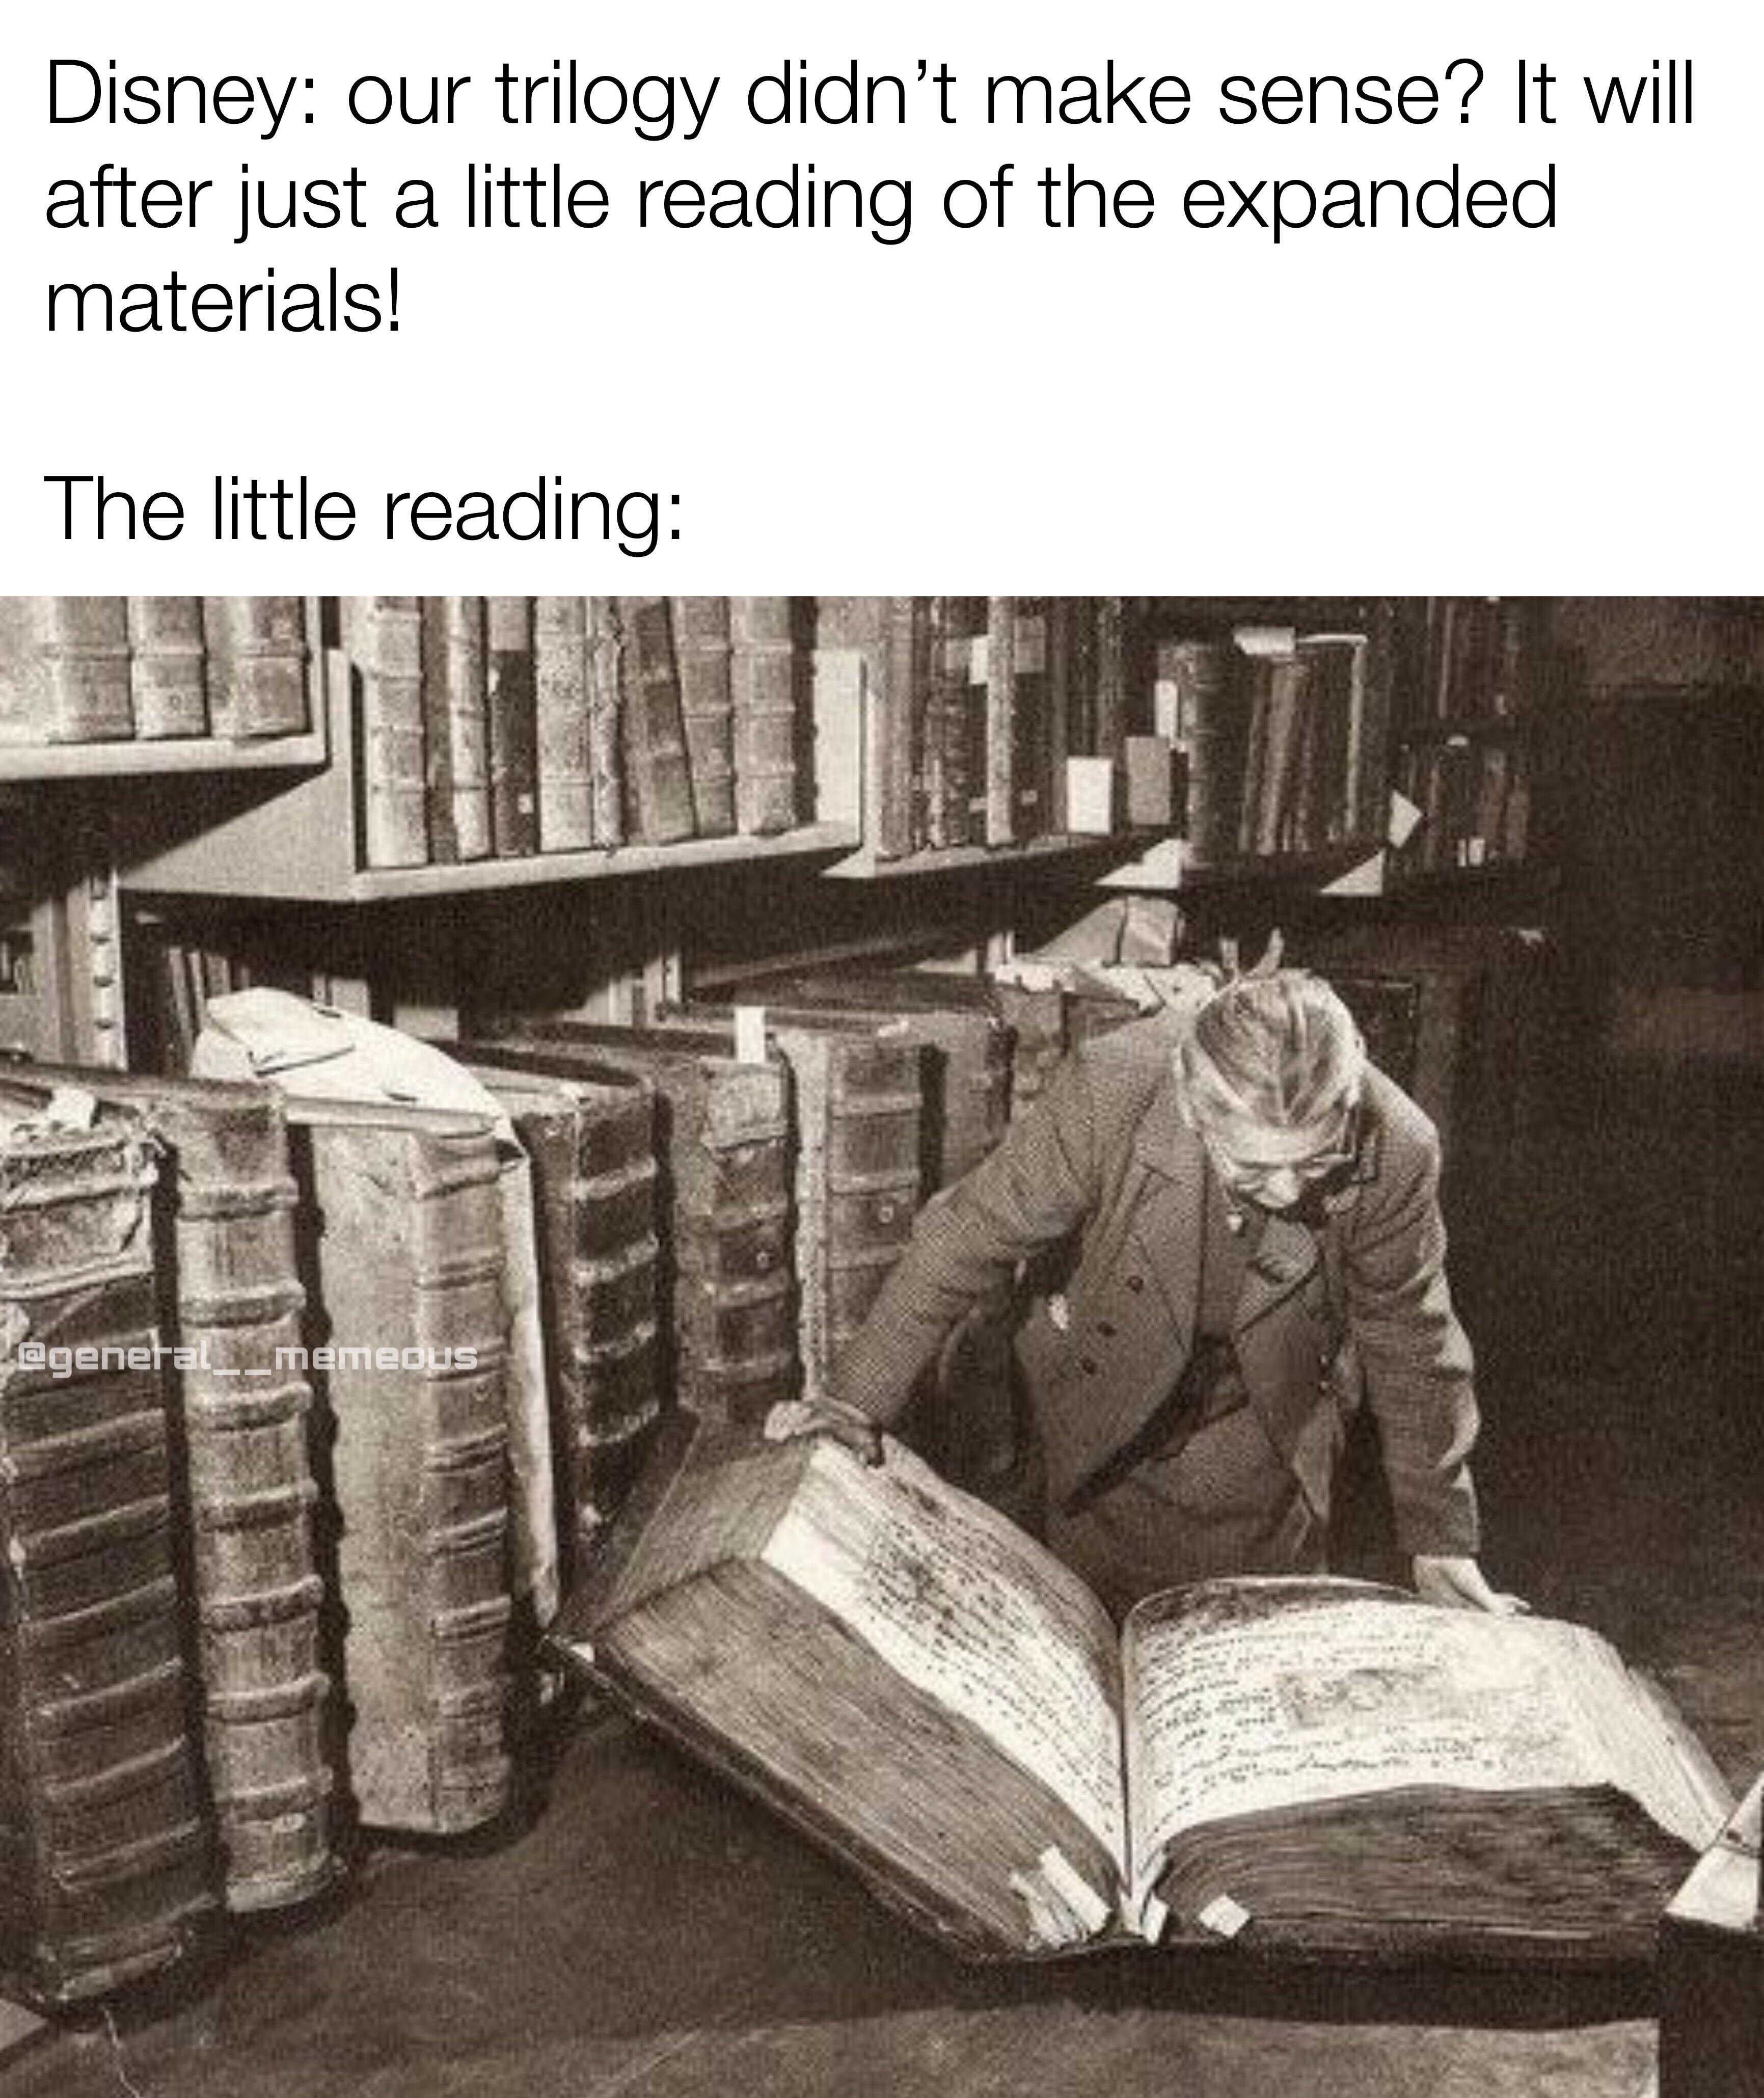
(643, 1931)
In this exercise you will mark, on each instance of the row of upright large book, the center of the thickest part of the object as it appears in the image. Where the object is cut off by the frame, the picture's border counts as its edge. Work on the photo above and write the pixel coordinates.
(311, 1404)
(500, 727)
(96, 670)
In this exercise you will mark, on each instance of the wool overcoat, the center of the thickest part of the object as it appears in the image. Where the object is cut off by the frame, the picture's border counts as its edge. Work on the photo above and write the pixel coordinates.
(1097, 1193)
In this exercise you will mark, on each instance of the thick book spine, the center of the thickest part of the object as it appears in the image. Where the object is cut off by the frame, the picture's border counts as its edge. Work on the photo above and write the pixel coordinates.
(1111, 711)
(560, 679)
(606, 761)
(906, 671)
(168, 666)
(67, 670)
(858, 1098)
(951, 817)
(861, 625)
(105, 1862)
(593, 1154)
(702, 649)
(389, 639)
(658, 779)
(258, 657)
(251, 1492)
(511, 705)
(763, 689)
(409, 1294)
(456, 728)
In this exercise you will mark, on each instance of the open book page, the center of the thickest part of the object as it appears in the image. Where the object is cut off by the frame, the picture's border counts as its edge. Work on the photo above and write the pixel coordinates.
(966, 1608)
(1258, 1695)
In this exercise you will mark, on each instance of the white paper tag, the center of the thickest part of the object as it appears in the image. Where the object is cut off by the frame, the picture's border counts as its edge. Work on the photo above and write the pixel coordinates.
(1074, 1889)
(1404, 816)
(750, 1033)
(1223, 1916)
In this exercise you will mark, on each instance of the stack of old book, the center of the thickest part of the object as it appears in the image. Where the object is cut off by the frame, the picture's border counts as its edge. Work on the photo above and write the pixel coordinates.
(95, 669)
(503, 726)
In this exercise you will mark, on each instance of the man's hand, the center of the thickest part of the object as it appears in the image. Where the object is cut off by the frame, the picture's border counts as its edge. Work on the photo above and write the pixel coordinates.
(1459, 1585)
(826, 1416)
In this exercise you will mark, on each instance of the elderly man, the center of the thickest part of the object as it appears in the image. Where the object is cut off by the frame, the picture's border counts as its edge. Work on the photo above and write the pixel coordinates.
(1232, 1222)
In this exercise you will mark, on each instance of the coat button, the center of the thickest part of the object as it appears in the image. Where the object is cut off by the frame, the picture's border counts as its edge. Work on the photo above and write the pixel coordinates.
(1136, 1283)
(1105, 1329)
(1088, 1366)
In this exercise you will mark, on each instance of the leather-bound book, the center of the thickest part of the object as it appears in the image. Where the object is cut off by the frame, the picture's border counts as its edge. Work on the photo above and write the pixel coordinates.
(64, 669)
(560, 682)
(1297, 1769)
(763, 670)
(456, 728)
(606, 760)
(105, 1858)
(404, 1280)
(384, 636)
(231, 1300)
(259, 659)
(591, 1141)
(858, 1088)
(658, 778)
(511, 710)
(702, 648)
(168, 666)
(722, 1143)
(860, 626)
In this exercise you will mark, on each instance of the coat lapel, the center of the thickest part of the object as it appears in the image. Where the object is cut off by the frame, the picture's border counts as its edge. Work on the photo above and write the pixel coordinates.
(1166, 1220)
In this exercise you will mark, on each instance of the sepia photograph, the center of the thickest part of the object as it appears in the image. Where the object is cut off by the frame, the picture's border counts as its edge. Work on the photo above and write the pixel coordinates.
(877, 1344)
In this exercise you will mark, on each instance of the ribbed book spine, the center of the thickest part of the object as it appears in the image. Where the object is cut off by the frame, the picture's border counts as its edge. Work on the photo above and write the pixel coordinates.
(762, 683)
(257, 650)
(168, 666)
(104, 1859)
(1002, 734)
(592, 1145)
(456, 730)
(410, 1296)
(389, 638)
(701, 651)
(511, 707)
(246, 1400)
(949, 819)
(560, 679)
(606, 762)
(658, 779)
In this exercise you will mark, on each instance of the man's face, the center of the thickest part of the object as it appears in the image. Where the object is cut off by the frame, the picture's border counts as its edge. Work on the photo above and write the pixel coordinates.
(1276, 1168)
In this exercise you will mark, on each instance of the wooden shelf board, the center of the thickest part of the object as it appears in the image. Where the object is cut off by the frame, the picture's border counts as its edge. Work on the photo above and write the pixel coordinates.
(1320, 867)
(381, 883)
(863, 866)
(122, 761)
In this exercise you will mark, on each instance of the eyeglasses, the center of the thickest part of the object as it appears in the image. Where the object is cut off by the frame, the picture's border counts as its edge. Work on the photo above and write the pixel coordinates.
(1338, 1152)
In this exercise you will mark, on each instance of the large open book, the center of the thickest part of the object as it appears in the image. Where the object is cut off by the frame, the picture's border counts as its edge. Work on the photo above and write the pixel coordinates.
(1314, 1767)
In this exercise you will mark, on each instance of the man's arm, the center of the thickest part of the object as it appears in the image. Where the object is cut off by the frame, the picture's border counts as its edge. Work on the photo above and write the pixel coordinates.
(1419, 1369)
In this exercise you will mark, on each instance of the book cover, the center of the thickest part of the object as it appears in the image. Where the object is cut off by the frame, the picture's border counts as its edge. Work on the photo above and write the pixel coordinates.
(703, 647)
(859, 626)
(106, 1866)
(384, 637)
(403, 1270)
(243, 1491)
(560, 676)
(64, 669)
(1300, 1768)
(723, 1212)
(764, 669)
(658, 779)
(456, 728)
(511, 711)
(259, 655)
(167, 673)
(606, 761)
(591, 1140)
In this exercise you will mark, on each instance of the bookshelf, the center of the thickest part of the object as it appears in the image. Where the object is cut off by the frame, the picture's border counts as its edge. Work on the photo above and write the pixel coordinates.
(155, 758)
